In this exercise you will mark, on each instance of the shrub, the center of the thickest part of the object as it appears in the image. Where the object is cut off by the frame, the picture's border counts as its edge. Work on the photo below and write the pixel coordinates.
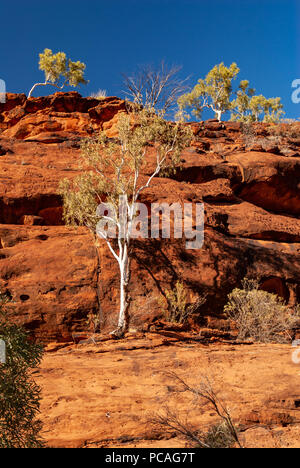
(248, 133)
(101, 94)
(93, 322)
(177, 309)
(219, 436)
(222, 434)
(260, 315)
(156, 88)
(285, 129)
(19, 394)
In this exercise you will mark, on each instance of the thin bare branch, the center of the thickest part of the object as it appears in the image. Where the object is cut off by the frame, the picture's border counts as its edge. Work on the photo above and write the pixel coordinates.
(156, 88)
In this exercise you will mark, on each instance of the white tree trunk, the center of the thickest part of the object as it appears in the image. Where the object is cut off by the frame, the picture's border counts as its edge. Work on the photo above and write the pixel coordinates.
(217, 111)
(124, 293)
(44, 84)
(219, 115)
(35, 86)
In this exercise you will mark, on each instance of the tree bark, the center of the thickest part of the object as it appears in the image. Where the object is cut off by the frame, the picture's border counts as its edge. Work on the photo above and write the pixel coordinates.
(98, 274)
(43, 84)
(124, 294)
(219, 115)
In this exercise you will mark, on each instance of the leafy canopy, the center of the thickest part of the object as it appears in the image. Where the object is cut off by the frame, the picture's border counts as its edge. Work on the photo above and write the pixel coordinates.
(57, 66)
(59, 71)
(112, 168)
(247, 107)
(216, 92)
(213, 92)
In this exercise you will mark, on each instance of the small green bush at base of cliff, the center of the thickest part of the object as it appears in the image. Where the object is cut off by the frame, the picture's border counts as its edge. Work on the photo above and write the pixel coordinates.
(260, 315)
(175, 306)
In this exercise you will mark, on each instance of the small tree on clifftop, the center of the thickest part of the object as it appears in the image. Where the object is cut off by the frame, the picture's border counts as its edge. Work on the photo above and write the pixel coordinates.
(59, 71)
(214, 92)
(112, 172)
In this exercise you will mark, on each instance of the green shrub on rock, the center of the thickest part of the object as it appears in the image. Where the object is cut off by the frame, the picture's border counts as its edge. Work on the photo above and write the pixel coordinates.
(260, 315)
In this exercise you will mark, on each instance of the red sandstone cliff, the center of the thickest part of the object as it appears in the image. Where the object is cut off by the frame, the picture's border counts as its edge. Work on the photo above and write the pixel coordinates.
(250, 187)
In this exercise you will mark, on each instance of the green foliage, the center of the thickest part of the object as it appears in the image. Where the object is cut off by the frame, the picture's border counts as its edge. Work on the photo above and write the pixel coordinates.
(19, 394)
(60, 70)
(177, 309)
(249, 108)
(57, 66)
(112, 168)
(93, 321)
(213, 92)
(270, 108)
(112, 174)
(260, 315)
(216, 92)
(241, 104)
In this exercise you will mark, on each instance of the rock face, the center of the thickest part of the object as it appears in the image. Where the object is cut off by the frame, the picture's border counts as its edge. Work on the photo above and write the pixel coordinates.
(87, 402)
(250, 185)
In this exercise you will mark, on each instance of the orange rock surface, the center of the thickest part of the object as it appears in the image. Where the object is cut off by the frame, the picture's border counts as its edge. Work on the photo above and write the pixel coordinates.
(252, 205)
(106, 395)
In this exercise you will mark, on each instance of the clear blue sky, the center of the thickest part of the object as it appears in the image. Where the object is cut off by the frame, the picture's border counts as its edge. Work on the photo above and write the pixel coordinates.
(112, 37)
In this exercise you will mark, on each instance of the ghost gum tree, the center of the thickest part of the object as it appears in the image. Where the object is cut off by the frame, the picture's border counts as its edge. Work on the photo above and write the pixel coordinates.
(59, 71)
(216, 92)
(213, 92)
(113, 174)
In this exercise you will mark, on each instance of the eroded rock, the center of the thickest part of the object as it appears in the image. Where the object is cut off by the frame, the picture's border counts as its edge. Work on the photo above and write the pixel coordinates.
(252, 206)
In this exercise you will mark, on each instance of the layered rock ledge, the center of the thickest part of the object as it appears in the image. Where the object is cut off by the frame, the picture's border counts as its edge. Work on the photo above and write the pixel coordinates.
(250, 186)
